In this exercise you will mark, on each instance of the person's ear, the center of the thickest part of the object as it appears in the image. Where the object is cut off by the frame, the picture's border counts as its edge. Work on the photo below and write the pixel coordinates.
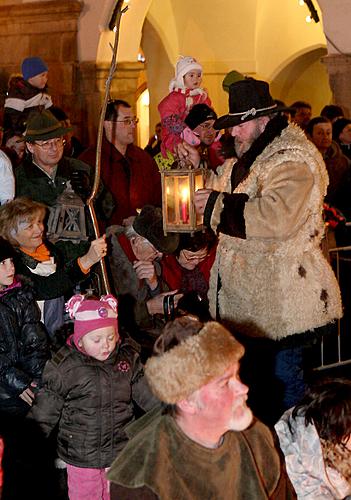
(189, 405)
(30, 147)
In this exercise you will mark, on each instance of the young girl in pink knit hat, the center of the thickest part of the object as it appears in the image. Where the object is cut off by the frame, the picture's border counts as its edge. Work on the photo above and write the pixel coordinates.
(89, 389)
(184, 92)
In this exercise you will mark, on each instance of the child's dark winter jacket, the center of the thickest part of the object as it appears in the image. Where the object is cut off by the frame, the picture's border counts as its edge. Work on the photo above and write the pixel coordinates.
(22, 98)
(23, 344)
(91, 401)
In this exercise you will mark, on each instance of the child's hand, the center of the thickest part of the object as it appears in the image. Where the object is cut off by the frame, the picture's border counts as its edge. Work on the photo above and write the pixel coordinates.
(189, 153)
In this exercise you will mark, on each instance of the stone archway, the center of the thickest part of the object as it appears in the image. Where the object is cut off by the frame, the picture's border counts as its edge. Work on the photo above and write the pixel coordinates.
(303, 78)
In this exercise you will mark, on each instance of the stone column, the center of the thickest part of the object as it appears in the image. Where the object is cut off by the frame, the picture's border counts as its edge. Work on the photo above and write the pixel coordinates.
(125, 83)
(339, 70)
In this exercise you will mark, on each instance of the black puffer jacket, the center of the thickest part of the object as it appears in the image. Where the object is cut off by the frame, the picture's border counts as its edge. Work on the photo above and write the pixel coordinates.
(91, 401)
(23, 343)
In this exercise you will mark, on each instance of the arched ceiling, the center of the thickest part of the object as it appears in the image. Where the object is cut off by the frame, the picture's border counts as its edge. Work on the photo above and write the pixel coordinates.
(255, 36)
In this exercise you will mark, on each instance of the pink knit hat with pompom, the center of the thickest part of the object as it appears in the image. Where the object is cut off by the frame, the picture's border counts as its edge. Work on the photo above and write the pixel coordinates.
(89, 315)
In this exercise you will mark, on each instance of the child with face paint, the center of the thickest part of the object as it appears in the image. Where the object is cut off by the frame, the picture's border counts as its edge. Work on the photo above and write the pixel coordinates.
(90, 387)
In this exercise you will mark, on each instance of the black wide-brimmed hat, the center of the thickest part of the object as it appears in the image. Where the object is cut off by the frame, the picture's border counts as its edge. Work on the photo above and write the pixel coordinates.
(149, 225)
(248, 99)
(42, 125)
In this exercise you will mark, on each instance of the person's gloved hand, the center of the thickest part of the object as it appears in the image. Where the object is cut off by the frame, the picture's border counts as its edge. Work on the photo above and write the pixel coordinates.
(81, 183)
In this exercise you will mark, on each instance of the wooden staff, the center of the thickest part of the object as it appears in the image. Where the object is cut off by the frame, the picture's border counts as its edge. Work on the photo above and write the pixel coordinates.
(90, 201)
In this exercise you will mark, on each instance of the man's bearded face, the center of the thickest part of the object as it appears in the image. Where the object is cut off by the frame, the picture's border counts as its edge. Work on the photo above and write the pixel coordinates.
(246, 133)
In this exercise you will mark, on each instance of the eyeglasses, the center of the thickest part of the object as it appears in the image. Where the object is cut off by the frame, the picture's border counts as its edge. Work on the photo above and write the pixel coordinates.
(46, 145)
(127, 121)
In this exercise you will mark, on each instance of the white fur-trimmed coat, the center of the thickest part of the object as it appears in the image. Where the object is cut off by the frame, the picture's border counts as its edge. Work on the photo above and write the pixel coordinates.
(276, 282)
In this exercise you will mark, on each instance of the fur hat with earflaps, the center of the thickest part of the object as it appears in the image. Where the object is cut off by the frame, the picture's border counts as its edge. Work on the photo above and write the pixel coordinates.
(248, 99)
(42, 125)
(200, 356)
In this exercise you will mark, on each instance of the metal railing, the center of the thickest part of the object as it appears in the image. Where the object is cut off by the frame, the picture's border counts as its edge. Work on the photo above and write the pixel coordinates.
(335, 350)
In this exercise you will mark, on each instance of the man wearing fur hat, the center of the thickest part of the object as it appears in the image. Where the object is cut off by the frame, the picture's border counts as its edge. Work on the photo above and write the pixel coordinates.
(205, 443)
(270, 278)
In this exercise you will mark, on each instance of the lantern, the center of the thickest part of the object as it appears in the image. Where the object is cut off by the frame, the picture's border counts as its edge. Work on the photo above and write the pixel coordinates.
(178, 208)
(67, 218)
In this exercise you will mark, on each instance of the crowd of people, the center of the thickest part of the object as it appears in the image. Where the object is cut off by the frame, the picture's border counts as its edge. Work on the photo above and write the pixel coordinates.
(171, 386)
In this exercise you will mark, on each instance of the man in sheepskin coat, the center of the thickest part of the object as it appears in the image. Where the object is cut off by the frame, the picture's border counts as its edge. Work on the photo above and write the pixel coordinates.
(270, 279)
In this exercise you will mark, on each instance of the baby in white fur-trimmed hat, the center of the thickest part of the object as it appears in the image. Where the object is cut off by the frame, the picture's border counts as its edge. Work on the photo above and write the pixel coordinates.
(184, 92)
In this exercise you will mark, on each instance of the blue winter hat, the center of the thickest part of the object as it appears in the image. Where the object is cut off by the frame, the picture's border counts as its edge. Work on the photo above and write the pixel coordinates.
(33, 66)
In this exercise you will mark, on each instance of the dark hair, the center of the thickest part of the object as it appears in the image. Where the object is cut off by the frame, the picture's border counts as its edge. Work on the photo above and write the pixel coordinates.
(197, 241)
(299, 104)
(58, 113)
(315, 121)
(332, 111)
(327, 405)
(8, 134)
(112, 109)
(175, 332)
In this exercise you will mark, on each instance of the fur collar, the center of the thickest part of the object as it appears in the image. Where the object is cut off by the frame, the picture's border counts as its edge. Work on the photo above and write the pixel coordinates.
(242, 167)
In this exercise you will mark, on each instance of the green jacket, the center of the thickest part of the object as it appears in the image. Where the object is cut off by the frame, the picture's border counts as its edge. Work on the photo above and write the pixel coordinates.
(161, 458)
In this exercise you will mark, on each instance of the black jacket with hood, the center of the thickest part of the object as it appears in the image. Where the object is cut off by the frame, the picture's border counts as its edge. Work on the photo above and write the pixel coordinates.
(23, 344)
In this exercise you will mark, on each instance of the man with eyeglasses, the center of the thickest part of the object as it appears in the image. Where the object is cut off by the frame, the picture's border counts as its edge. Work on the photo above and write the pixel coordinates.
(129, 172)
(44, 172)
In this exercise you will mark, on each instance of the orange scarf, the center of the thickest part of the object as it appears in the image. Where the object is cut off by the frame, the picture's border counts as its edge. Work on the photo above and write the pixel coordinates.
(41, 253)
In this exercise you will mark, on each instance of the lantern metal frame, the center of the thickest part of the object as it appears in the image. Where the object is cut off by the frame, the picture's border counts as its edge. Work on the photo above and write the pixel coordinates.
(194, 222)
(67, 218)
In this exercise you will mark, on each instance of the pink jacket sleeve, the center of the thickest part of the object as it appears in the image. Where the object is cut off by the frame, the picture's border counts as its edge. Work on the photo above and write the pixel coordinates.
(173, 112)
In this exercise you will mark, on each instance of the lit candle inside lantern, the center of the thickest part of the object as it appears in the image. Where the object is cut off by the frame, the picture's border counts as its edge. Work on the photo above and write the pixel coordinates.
(184, 205)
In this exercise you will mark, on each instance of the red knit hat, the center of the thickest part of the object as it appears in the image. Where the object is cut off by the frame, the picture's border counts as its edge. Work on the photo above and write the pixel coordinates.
(91, 315)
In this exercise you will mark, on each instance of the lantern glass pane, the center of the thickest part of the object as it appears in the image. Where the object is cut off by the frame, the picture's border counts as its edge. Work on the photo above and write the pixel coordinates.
(184, 199)
(199, 184)
(170, 199)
